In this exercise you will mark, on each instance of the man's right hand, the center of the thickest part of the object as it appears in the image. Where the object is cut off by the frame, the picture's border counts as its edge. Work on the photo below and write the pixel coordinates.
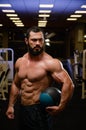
(10, 112)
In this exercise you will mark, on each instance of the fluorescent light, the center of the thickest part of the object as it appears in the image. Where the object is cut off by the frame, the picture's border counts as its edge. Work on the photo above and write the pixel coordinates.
(13, 15)
(17, 21)
(71, 19)
(47, 43)
(44, 15)
(44, 11)
(8, 11)
(84, 36)
(80, 11)
(83, 6)
(42, 21)
(1, 25)
(75, 15)
(19, 24)
(13, 18)
(22, 25)
(41, 24)
(47, 40)
(46, 5)
(5, 5)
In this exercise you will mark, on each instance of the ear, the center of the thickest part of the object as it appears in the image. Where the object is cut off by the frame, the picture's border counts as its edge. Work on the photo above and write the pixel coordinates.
(26, 41)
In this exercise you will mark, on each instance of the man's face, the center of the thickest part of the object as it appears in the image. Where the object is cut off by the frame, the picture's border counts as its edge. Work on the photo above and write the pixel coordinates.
(35, 43)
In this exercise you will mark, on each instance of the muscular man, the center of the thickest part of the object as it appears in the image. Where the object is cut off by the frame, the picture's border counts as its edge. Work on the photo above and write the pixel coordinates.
(35, 72)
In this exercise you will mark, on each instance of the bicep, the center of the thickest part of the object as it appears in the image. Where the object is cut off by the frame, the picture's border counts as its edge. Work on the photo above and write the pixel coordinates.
(16, 81)
(61, 76)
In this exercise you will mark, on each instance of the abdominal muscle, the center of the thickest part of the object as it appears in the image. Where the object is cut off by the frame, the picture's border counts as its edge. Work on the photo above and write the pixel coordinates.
(30, 91)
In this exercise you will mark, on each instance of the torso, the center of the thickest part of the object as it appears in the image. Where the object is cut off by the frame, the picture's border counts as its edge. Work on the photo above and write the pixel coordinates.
(34, 78)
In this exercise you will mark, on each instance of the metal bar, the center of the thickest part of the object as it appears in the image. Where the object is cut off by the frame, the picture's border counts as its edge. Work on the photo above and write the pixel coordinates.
(84, 75)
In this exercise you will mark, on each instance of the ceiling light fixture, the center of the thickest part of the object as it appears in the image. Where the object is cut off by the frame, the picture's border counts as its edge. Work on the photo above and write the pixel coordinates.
(84, 36)
(11, 15)
(13, 18)
(80, 11)
(5, 5)
(20, 25)
(46, 5)
(83, 6)
(47, 44)
(47, 40)
(44, 11)
(76, 16)
(16, 21)
(1, 25)
(41, 24)
(44, 15)
(71, 19)
(8, 11)
(42, 21)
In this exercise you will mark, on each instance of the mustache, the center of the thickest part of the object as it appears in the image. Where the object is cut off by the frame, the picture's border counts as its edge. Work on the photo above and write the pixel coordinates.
(37, 46)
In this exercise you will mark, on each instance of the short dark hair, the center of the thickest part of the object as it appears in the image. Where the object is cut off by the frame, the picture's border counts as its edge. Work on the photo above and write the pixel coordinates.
(34, 29)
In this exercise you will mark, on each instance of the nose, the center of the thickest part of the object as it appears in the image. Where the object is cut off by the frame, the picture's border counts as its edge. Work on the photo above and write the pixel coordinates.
(38, 42)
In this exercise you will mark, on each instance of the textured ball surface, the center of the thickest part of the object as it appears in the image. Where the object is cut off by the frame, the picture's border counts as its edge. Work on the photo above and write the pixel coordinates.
(50, 97)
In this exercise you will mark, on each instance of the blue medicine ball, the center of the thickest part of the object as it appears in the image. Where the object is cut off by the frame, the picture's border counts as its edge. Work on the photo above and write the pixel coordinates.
(50, 97)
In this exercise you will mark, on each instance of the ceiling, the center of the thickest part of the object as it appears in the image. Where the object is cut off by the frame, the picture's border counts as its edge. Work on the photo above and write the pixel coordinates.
(28, 10)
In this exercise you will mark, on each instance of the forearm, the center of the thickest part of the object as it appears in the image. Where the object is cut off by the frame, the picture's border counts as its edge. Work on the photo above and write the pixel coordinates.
(66, 93)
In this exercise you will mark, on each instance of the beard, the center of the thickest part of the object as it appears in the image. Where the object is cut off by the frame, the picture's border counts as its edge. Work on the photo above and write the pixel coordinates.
(36, 50)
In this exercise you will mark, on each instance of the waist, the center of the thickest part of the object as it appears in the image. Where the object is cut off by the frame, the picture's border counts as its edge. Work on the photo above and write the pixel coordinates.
(23, 103)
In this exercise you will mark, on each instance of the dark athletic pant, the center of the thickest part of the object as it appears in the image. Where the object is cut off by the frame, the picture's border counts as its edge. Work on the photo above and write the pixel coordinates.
(34, 117)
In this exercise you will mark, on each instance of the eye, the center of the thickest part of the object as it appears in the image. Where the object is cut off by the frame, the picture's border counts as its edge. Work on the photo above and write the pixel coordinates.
(40, 40)
(34, 40)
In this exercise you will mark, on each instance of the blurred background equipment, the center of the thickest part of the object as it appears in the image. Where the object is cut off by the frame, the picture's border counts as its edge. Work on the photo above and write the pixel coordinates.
(6, 71)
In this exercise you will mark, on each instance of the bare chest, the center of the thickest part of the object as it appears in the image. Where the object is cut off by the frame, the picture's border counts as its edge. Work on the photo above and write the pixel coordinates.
(33, 72)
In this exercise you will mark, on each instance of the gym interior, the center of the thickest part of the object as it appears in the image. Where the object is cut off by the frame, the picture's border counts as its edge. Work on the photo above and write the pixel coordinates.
(70, 47)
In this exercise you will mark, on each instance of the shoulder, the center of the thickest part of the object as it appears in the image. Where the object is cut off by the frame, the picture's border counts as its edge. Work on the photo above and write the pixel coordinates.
(53, 63)
(17, 63)
(20, 60)
(50, 60)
